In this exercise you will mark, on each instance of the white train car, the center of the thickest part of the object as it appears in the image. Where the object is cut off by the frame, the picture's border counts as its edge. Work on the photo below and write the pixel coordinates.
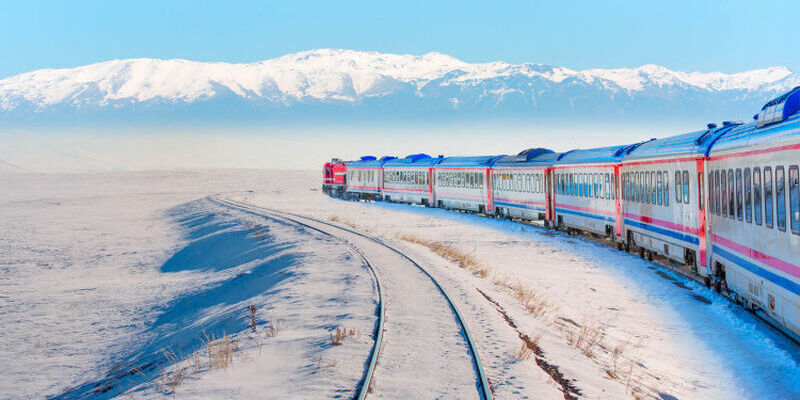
(585, 190)
(365, 178)
(410, 179)
(663, 212)
(755, 221)
(462, 183)
(519, 185)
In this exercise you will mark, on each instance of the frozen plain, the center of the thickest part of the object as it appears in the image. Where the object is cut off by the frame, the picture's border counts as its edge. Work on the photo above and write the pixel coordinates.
(103, 269)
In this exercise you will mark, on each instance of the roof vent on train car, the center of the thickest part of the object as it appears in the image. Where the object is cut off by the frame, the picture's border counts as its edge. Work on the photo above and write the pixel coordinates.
(440, 156)
(711, 126)
(528, 154)
(387, 158)
(415, 157)
(368, 158)
(779, 108)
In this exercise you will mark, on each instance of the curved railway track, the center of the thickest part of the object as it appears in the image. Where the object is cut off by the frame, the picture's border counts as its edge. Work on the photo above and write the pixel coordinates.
(324, 227)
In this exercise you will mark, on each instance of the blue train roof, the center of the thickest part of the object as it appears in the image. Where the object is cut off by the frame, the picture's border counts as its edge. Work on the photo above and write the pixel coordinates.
(528, 158)
(414, 160)
(749, 135)
(370, 162)
(598, 155)
(688, 144)
(469, 162)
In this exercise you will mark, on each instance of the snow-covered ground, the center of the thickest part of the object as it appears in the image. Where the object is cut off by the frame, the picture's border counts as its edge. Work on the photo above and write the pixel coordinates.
(102, 274)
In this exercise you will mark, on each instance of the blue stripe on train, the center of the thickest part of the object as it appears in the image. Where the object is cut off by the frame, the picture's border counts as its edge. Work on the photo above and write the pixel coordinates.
(758, 270)
(666, 232)
(507, 204)
(587, 215)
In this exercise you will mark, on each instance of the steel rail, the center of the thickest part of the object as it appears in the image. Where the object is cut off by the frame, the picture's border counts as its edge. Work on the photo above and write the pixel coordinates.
(486, 391)
(364, 383)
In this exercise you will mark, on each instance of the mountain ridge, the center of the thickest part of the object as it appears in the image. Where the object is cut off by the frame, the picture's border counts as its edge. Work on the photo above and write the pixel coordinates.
(433, 82)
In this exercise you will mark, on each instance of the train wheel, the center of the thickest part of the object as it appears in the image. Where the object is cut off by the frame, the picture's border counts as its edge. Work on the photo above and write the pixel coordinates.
(641, 252)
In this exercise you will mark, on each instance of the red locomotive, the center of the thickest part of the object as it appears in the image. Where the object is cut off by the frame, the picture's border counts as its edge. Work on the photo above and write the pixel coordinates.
(334, 176)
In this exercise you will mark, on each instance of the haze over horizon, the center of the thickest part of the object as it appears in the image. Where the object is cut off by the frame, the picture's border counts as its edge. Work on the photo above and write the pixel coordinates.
(142, 92)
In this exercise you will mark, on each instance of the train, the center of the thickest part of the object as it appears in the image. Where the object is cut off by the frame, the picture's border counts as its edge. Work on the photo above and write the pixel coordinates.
(723, 201)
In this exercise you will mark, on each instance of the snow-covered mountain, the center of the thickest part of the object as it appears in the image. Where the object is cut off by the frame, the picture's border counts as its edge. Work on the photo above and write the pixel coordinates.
(330, 82)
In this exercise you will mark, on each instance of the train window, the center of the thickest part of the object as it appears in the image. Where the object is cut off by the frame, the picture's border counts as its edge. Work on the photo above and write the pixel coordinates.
(666, 188)
(659, 182)
(613, 188)
(678, 187)
(631, 177)
(637, 190)
(724, 193)
(700, 192)
(780, 197)
(794, 206)
(625, 182)
(757, 195)
(653, 187)
(641, 187)
(768, 201)
(576, 184)
(625, 186)
(716, 192)
(731, 195)
(748, 196)
(529, 185)
(558, 183)
(739, 205)
(685, 187)
(596, 186)
(606, 186)
(648, 182)
(710, 189)
(585, 185)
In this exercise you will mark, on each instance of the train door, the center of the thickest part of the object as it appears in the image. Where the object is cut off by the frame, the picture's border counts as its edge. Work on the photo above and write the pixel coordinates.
(431, 184)
(549, 196)
(703, 254)
(489, 193)
(617, 201)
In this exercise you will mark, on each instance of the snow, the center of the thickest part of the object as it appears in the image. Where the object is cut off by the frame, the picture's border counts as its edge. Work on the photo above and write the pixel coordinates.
(100, 269)
(329, 75)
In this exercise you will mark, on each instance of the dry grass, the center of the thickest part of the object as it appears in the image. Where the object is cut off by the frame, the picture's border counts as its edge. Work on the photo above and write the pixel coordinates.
(534, 303)
(170, 378)
(344, 221)
(275, 327)
(523, 353)
(219, 351)
(338, 337)
(461, 258)
(587, 338)
(251, 317)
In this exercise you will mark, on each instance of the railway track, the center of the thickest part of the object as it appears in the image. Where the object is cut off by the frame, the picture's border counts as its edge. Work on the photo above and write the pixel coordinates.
(402, 309)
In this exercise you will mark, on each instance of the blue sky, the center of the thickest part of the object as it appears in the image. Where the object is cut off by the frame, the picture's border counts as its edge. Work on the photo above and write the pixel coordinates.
(726, 36)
